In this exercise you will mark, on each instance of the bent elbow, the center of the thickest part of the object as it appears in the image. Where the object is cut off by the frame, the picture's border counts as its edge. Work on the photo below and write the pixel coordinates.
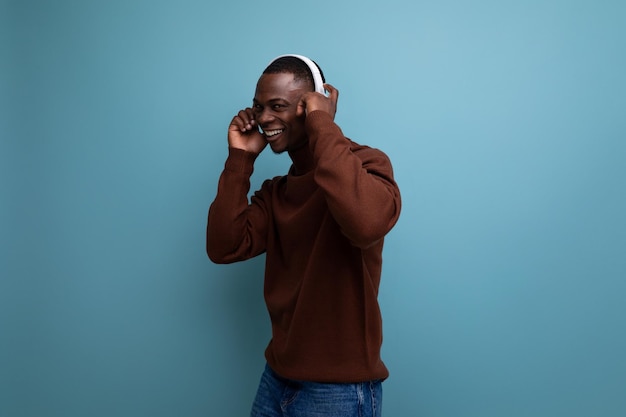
(220, 258)
(216, 252)
(214, 255)
(368, 234)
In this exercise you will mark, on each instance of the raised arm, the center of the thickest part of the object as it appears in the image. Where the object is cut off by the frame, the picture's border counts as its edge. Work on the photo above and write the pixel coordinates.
(358, 181)
(236, 227)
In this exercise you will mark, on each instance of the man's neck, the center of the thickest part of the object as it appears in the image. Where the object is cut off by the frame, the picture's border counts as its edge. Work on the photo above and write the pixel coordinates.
(302, 159)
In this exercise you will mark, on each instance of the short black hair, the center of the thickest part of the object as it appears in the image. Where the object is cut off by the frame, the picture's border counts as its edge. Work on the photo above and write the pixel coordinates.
(296, 66)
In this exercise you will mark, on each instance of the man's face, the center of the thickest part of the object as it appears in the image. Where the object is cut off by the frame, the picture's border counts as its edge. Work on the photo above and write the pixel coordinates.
(275, 104)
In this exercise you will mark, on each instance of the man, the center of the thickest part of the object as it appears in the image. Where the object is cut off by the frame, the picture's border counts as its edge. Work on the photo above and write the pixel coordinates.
(322, 227)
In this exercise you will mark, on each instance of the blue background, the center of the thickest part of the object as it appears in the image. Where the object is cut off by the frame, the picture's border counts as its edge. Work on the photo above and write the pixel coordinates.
(504, 281)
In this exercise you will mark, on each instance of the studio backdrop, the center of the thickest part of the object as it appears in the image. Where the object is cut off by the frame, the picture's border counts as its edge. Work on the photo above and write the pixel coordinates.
(503, 282)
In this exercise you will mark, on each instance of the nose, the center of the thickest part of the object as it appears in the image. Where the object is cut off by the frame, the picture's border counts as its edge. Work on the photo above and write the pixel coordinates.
(264, 116)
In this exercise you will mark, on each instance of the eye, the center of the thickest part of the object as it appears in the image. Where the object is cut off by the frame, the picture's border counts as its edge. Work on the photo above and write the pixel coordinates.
(278, 107)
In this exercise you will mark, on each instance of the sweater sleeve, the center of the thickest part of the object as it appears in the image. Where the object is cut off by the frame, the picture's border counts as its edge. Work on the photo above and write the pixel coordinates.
(236, 229)
(358, 182)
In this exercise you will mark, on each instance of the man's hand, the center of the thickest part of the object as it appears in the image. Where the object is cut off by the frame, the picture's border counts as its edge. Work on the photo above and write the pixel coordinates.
(316, 101)
(243, 132)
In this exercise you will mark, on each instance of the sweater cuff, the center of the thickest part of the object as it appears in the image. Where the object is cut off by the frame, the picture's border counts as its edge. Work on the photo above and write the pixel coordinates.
(323, 133)
(318, 116)
(240, 161)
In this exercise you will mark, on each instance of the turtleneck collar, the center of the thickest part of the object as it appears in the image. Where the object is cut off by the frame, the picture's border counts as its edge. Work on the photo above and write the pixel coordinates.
(302, 159)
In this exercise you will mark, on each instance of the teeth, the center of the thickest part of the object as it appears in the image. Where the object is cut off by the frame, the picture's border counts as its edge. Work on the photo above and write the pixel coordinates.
(270, 133)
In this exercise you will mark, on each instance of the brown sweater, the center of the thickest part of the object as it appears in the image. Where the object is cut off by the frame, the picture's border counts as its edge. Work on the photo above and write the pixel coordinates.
(322, 233)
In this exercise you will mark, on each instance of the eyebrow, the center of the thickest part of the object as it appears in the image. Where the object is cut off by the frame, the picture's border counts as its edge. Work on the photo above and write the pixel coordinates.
(272, 100)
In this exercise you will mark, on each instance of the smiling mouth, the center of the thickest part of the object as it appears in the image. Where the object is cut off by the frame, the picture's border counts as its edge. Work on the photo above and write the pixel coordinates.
(271, 133)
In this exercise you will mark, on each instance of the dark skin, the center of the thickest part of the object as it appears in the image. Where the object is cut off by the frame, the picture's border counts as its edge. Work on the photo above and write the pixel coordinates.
(280, 107)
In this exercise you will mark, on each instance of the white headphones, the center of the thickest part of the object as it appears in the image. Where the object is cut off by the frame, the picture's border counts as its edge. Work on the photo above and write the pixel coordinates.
(317, 76)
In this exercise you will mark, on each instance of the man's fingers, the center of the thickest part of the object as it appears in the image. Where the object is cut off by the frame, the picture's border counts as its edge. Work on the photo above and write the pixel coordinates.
(301, 108)
(245, 120)
(312, 101)
(333, 93)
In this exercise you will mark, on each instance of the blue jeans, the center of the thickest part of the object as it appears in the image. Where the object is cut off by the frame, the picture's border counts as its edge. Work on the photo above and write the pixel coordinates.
(280, 397)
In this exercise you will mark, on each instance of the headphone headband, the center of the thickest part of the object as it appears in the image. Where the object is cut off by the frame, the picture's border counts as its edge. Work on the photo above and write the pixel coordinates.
(317, 76)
